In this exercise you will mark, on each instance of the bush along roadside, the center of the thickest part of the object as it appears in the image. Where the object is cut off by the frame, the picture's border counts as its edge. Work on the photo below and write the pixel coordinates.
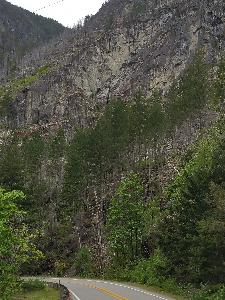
(38, 289)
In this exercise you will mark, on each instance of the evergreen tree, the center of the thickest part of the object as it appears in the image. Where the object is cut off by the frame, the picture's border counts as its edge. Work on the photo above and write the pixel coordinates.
(218, 84)
(138, 118)
(125, 222)
(211, 246)
(11, 165)
(187, 218)
(33, 148)
(189, 93)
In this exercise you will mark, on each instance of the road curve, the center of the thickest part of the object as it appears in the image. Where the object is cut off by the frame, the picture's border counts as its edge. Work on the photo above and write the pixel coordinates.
(84, 289)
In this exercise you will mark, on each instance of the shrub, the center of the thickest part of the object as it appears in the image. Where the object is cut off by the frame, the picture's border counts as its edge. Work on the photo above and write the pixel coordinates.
(84, 266)
(32, 285)
(151, 271)
(116, 272)
(170, 285)
(219, 295)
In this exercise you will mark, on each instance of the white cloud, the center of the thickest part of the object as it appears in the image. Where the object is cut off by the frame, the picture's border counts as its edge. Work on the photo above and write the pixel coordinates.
(67, 12)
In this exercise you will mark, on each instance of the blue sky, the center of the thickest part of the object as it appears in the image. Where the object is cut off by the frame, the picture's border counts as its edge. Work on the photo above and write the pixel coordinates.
(67, 12)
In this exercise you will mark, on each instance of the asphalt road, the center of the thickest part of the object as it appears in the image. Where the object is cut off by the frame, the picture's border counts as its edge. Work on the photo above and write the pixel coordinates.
(84, 289)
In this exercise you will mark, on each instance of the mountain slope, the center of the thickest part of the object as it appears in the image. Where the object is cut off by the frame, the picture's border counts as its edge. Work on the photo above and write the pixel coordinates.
(142, 44)
(129, 92)
(21, 30)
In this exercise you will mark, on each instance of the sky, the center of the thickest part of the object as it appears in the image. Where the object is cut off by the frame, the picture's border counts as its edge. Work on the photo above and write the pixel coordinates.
(67, 12)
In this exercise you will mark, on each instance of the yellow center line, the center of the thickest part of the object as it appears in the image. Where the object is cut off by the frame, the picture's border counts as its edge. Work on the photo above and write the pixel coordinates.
(108, 293)
(105, 291)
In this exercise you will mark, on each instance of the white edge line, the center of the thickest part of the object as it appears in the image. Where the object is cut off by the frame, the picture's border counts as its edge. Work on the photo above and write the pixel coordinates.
(76, 297)
(130, 288)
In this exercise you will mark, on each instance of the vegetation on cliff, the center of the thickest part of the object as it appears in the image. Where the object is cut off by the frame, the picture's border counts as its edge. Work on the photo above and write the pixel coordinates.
(124, 198)
(9, 91)
(109, 205)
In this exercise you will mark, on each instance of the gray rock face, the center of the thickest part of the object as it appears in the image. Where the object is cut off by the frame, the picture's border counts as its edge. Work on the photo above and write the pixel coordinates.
(128, 45)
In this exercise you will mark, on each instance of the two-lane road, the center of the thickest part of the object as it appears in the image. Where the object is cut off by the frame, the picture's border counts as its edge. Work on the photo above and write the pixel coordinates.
(84, 289)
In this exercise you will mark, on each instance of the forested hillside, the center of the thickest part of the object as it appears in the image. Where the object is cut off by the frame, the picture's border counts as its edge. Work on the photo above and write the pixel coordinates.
(120, 166)
(21, 31)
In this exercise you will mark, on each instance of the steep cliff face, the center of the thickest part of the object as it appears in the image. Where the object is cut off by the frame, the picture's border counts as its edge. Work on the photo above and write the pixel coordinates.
(128, 45)
(21, 31)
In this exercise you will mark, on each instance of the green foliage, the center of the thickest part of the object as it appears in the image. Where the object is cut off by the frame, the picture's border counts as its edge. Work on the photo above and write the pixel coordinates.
(46, 293)
(15, 246)
(147, 119)
(42, 71)
(218, 84)
(125, 222)
(220, 294)
(190, 93)
(138, 119)
(210, 230)
(11, 166)
(32, 285)
(57, 146)
(170, 238)
(33, 150)
(94, 152)
(84, 265)
(150, 271)
(97, 152)
(187, 226)
(186, 236)
(206, 293)
(21, 164)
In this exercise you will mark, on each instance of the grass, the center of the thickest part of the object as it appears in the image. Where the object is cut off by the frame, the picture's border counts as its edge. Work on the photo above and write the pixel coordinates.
(45, 294)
